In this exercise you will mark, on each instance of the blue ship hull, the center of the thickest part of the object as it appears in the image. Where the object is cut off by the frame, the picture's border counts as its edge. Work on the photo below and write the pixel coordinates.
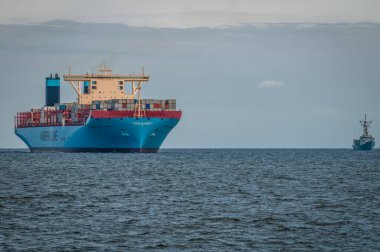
(100, 135)
(365, 147)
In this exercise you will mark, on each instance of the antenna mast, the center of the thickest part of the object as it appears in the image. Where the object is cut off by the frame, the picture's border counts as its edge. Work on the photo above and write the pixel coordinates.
(365, 125)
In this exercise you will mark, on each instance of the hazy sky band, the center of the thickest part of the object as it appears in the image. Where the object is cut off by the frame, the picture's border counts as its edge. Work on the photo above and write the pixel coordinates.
(190, 13)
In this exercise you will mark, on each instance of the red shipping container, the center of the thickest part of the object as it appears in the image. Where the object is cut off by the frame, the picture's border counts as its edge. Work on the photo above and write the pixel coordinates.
(157, 105)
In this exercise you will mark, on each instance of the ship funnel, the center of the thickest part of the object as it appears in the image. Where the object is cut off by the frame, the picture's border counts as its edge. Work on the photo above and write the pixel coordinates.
(52, 91)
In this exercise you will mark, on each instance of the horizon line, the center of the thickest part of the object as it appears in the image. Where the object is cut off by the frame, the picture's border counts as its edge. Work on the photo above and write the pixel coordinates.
(225, 148)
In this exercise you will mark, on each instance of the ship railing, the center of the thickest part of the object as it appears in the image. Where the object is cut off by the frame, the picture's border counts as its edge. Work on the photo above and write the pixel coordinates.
(50, 118)
(87, 77)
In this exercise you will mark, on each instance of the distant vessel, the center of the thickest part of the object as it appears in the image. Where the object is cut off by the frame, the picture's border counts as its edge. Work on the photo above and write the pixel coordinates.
(366, 141)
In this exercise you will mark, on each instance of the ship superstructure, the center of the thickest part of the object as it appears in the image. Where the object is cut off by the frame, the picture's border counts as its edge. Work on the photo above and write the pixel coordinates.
(109, 115)
(365, 141)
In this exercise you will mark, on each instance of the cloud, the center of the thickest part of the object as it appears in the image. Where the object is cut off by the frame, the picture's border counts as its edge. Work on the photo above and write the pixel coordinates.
(271, 84)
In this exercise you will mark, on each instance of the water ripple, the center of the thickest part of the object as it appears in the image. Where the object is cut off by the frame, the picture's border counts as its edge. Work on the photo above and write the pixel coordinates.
(191, 200)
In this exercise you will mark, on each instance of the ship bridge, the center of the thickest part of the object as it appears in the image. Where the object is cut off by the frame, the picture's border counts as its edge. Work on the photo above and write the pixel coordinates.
(105, 85)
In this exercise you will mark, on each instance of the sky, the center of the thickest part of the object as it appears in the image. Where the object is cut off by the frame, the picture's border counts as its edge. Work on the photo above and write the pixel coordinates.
(190, 13)
(246, 74)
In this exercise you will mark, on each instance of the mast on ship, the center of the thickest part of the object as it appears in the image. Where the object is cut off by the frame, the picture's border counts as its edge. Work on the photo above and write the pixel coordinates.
(365, 125)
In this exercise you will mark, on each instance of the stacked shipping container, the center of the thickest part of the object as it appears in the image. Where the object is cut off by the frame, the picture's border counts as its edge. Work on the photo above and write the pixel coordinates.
(76, 114)
(132, 104)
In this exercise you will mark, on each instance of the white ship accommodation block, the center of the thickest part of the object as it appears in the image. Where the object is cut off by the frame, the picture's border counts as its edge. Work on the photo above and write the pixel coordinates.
(105, 86)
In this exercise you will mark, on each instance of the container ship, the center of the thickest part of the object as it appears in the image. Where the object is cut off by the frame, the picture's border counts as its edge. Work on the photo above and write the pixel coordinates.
(365, 141)
(108, 116)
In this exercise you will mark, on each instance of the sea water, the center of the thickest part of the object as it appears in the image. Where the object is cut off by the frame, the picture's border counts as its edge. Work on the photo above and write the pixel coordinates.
(191, 200)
